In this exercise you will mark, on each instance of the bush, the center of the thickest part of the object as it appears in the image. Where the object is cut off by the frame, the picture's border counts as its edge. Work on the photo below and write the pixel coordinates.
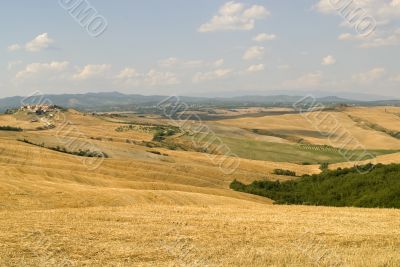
(10, 128)
(11, 111)
(341, 188)
(81, 153)
(46, 127)
(161, 132)
(154, 152)
(284, 172)
(158, 136)
(172, 146)
(324, 166)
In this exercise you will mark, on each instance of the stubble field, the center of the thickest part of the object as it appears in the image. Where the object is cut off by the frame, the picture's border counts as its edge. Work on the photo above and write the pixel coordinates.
(174, 207)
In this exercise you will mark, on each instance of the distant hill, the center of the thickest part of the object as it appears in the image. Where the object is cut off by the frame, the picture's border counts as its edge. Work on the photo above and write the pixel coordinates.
(116, 100)
(347, 94)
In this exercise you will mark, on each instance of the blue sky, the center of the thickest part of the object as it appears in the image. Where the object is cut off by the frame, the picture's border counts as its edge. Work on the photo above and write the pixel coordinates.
(203, 47)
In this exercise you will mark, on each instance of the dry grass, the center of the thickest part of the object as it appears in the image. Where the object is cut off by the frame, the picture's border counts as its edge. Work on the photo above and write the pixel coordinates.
(387, 117)
(143, 209)
(383, 159)
(240, 235)
(298, 126)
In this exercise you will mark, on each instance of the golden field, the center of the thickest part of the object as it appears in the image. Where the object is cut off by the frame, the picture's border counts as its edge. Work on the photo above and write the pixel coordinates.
(298, 126)
(174, 207)
(245, 234)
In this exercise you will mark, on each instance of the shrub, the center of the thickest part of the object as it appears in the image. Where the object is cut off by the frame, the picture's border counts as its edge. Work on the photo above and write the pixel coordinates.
(154, 152)
(158, 136)
(11, 111)
(81, 153)
(284, 172)
(161, 132)
(46, 127)
(172, 146)
(343, 187)
(324, 166)
(10, 128)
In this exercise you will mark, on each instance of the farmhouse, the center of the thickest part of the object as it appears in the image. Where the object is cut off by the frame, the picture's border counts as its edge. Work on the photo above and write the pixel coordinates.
(39, 109)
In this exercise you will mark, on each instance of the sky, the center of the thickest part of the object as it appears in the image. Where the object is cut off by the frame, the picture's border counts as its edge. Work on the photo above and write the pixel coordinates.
(199, 47)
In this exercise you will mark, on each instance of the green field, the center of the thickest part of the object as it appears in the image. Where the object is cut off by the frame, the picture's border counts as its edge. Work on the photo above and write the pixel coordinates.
(293, 153)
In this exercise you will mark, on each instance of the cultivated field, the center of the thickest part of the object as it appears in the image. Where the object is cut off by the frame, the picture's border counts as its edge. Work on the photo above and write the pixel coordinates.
(244, 234)
(297, 127)
(166, 203)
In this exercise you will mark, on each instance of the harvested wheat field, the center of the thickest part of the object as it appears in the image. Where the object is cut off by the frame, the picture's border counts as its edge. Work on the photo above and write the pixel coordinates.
(359, 122)
(150, 205)
(246, 234)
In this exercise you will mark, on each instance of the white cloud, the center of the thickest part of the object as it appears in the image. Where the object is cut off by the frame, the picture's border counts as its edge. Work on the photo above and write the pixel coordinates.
(39, 43)
(14, 47)
(130, 77)
(256, 68)
(369, 76)
(233, 16)
(256, 12)
(328, 60)
(262, 37)
(174, 62)
(184, 65)
(379, 17)
(127, 73)
(231, 8)
(376, 40)
(254, 52)
(390, 40)
(390, 10)
(154, 78)
(309, 80)
(35, 69)
(219, 63)
(283, 67)
(90, 71)
(169, 62)
(212, 75)
(334, 7)
(324, 6)
(347, 37)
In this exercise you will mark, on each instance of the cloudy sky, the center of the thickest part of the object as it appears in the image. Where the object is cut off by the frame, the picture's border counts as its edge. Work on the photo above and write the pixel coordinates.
(200, 47)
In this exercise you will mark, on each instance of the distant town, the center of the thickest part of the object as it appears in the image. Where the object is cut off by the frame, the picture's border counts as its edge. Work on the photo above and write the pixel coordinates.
(39, 109)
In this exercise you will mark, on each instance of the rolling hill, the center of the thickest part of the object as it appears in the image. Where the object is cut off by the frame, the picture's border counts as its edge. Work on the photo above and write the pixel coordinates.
(150, 204)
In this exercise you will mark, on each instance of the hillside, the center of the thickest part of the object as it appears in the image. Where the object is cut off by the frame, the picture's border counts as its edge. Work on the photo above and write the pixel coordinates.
(167, 196)
(370, 128)
(137, 167)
